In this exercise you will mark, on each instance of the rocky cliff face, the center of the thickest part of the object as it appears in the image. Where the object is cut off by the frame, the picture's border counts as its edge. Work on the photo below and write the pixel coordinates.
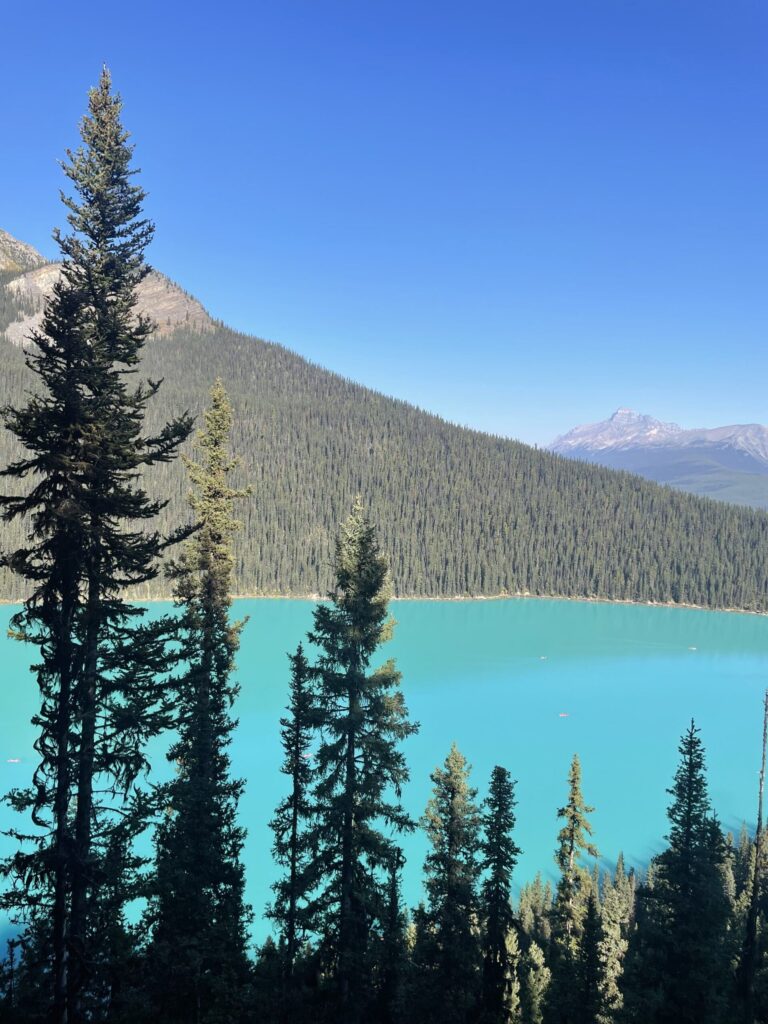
(17, 257)
(167, 304)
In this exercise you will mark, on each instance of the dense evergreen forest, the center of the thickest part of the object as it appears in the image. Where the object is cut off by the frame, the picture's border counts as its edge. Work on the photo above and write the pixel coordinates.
(460, 512)
(106, 935)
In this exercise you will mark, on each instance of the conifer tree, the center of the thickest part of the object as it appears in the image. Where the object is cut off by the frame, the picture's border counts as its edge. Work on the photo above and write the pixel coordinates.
(499, 856)
(679, 970)
(570, 907)
(535, 979)
(197, 955)
(616, 913)
(91, 537)
(535, 911)
(452, 868)
(590, 981)
(392, 962)
(360, 768)
(289, 825)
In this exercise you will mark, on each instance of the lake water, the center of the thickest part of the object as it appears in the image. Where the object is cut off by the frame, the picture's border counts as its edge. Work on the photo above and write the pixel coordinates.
(521, 683)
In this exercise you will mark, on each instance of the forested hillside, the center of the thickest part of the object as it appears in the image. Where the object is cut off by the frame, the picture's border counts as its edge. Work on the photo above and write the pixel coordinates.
(460, 512)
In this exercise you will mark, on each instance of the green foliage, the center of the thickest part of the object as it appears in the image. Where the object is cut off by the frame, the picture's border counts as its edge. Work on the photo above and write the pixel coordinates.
(500, 945)
(575, 890)
(292, 850)
(679, 963)
(85, 530)
(451, 959)
(459, 512)
(197, 960)
(536, 977)
(360, 769)
(616, 916)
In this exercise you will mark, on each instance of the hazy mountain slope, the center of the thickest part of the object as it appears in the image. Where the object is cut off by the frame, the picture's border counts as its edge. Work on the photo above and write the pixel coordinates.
(728, 463)
(460, 512)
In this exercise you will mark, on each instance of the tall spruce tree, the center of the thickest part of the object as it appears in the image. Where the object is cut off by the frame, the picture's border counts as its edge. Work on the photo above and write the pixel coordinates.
(499, 857)
(616, 915)
(535, 978)
(571, 900)
(90, 538)
(197, 955)
(360, 768)
(450, 984)
(590, 979)
(535, 911)
(679, 968)
(290, 823)
(392, 954)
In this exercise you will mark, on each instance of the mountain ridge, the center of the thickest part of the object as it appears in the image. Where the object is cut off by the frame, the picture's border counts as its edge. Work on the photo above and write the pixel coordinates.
(17, 256)
(729, 463)
(627, 428)
(158, 296)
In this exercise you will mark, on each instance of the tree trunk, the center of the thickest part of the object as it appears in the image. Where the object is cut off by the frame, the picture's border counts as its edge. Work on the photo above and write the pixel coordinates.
(81, 880)
(62, 841)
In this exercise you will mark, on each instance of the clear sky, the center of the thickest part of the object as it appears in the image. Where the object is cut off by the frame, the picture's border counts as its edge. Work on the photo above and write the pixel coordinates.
(519, 214)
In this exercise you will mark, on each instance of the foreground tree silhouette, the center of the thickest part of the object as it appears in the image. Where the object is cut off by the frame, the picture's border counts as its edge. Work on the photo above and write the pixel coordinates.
(197, 957)
(678, 968)
(499, 856)
(571, 902)
(89, 540)
(290, 823)
(450, 967)
(360, 769)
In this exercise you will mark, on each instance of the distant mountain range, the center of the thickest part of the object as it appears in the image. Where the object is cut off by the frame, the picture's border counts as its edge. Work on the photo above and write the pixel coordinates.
(459, 512)
(728, 463)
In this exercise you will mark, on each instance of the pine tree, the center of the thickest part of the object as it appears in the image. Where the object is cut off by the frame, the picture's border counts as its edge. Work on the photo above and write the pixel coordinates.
(535, 911)
(90, 539)
(590, 979)
(452, 868)
(679, 969)
(499, 856)
(197, 955)
(571, 900)
(616, 914)
(535, 980)
(360, 769)
(290, 823)
(392, 963)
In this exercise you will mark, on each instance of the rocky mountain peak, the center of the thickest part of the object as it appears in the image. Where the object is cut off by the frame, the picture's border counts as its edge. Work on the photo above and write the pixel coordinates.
(624, 427)
(158, 297)
(16, 256)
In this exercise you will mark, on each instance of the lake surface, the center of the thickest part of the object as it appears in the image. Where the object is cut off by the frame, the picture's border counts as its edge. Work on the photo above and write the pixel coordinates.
(498, 677)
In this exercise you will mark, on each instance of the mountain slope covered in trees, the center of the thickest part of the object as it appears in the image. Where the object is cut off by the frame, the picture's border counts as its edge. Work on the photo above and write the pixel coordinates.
(461, 512)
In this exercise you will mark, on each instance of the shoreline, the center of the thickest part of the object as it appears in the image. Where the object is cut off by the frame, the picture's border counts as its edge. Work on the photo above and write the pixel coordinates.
(522, 596)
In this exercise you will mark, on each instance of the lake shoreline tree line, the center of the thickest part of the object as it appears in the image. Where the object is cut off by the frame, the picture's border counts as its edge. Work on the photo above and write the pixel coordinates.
(108, 935)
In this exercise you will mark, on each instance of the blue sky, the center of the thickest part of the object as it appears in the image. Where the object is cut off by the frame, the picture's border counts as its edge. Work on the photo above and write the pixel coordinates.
(520, 215)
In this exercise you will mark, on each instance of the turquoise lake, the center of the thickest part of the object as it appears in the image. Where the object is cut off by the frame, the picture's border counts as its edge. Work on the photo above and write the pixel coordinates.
(521, 683)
